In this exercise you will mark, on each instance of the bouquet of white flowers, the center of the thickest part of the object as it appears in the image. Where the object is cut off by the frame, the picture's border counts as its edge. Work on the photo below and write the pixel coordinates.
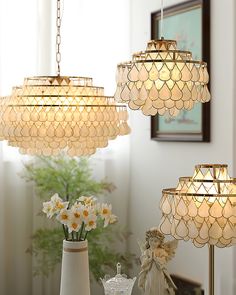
(80, 218)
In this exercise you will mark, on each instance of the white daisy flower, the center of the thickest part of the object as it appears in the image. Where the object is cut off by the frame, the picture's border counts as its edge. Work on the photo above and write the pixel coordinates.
(105, 211)
(55, 198)
(76, 205)
(86, 211)
(82, 199)
(77, 214)
(110, 220)
(73, 225)
(113, 219)
(58, 204)
(64, 216)
(90, 201)
(47, 209)
(91, 222)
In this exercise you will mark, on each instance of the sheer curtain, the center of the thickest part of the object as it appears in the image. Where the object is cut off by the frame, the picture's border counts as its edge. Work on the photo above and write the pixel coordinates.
(17, 59)
(19, 56)
(94, 40)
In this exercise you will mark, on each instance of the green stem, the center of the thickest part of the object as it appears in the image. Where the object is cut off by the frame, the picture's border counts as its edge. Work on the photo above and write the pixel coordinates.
(77, 236)
(86, 234)
(81, 231)
(65, 232)
(67, 192)
(73, 238)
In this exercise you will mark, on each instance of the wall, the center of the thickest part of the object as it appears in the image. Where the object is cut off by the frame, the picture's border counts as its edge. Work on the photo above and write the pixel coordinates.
(234, 125)
(156, 165)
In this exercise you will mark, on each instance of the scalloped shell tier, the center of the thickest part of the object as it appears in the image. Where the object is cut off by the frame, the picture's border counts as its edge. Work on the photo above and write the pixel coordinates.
(48, 114)
(162, 80)
(201, 208)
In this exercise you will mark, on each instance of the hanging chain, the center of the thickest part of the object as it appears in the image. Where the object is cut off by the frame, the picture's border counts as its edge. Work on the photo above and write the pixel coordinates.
(162, 17)
(58, 37)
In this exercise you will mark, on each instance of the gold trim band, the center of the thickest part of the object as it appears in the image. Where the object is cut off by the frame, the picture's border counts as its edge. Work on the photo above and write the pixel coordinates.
(174, 192)
(172, 61)
(75, 250)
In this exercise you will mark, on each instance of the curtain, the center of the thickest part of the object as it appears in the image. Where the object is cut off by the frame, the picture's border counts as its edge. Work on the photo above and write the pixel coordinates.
(18, 59)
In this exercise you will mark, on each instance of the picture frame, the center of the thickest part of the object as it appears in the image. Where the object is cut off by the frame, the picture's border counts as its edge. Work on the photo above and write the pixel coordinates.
(193, 15)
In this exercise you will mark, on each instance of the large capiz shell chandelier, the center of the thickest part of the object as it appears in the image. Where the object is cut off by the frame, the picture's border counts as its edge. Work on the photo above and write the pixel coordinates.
(52, 113)
(162, 80)
(202, 208)
(48, 114)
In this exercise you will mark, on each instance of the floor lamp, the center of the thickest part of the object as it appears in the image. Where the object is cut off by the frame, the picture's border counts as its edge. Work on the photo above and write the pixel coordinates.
(202, 208)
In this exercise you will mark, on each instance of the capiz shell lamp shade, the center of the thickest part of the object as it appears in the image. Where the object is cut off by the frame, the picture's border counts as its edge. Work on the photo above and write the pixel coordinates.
(202, 208)
(48, 114)
(162, 80)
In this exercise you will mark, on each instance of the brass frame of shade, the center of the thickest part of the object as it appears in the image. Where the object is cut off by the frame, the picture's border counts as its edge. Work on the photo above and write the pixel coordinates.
(161, 51)
(51, 85)
(64, 95)
(211, 166)
(173, 60)
(125, 64)
(231, 180)
(163, 40)
(72, 105)
(173, 191)
(59, 78)
(142, 54)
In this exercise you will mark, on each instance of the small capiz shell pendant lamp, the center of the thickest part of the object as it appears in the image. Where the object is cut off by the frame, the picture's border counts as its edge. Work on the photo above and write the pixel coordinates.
(51, 113)
(162, 79)
(202, 208)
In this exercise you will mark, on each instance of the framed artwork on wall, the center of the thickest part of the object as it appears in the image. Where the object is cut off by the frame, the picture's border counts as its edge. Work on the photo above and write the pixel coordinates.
(189, 24)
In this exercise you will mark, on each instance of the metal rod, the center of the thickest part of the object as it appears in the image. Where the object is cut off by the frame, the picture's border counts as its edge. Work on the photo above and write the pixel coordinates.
(58, 37)
(211, 270)
(162, 19)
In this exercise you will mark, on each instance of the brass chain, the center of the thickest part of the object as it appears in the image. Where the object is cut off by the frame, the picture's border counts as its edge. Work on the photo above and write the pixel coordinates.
(58, 37)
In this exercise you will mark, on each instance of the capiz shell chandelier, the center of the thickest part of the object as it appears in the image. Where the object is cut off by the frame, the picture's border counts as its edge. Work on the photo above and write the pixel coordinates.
(48, 114)
(162, 79)
(51, 113)
(202, 208)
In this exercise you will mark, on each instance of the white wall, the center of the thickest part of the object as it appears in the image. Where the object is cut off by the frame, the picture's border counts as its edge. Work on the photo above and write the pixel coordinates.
(157, 165)
(234, 123)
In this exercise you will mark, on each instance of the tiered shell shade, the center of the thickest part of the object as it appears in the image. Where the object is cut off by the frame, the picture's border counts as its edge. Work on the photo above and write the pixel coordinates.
(202, 208)
(48, 114)
(162, 80)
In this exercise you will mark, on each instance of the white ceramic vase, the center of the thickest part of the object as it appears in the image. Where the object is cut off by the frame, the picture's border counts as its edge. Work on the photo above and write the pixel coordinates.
(75, 269)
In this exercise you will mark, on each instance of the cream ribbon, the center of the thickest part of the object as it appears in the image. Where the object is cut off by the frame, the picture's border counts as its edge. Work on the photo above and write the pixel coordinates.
(75, 250)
